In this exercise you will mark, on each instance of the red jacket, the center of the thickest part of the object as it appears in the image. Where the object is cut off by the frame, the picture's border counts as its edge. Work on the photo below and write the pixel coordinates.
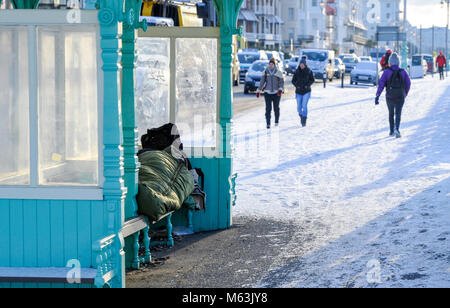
(441, 61)
(384, 65)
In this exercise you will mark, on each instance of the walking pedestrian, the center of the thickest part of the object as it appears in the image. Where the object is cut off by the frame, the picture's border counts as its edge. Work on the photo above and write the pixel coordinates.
(385, 59)
(441, 61)
(397, 84)
(303, 79)
(272, 83)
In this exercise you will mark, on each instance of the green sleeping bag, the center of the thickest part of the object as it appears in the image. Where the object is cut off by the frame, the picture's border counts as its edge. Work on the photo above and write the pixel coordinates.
(164, 184)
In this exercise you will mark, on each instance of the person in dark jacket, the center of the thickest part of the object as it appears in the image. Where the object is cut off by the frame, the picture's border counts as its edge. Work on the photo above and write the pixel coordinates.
(303, 80)
(395, 104)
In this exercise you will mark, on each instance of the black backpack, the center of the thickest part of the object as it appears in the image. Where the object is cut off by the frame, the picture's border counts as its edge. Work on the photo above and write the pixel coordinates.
(396, 85)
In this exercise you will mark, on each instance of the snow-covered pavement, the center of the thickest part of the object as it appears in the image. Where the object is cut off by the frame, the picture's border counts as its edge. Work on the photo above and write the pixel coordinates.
(369, 210)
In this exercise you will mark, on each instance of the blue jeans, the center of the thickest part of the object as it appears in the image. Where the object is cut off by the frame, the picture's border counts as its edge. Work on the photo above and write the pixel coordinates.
(302, 104)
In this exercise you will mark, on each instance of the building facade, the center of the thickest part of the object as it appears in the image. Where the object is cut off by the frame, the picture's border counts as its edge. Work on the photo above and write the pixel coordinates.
(261, 23)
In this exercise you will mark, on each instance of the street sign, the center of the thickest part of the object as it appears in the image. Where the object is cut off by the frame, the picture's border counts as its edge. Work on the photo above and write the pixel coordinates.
(391, 36)
(388, 29)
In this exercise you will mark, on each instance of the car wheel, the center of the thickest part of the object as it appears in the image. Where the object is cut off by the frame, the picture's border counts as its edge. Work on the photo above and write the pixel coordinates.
(356, 83)
(245, 90)
(351, 81)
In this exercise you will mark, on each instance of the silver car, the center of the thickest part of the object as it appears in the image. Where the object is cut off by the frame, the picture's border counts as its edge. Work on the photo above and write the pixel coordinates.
(366, 72)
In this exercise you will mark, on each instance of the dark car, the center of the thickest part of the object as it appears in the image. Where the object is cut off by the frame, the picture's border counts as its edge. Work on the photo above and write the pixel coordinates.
(292, 65)
(254, 75)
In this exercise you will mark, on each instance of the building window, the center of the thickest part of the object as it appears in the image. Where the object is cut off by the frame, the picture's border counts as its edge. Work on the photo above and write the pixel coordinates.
(291, 14)
(313, 3)
(315, 25)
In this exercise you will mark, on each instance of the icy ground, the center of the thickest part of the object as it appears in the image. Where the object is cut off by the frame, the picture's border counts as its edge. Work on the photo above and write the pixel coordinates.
(370, 210)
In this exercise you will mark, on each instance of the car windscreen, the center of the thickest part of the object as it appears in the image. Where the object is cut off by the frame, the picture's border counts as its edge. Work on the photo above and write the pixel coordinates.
(416, 61)
(248, 58)
(428, 58)
(316, 55)
(349, 60)
(369, 66)
(259, 66)
(294, 59)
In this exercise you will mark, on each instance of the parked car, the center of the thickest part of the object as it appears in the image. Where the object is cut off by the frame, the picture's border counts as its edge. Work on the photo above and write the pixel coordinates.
(366, 72)
(350, 63)
(276, 55)
(320, 61)
(247, 57)
(254, 75)
(339, 68)
(366, 59)
(293, 65)
(419, 67)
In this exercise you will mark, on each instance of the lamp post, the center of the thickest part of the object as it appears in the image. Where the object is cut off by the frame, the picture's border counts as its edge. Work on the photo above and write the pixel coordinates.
(354, 27)
(446, 30)
(405, 43)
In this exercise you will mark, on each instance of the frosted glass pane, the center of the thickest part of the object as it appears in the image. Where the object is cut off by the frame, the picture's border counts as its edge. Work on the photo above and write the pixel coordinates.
(14, 107)
(67, 99)
(196, 91)
(152, 83)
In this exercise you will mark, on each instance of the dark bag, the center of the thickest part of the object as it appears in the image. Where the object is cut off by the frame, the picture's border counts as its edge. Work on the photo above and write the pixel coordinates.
(396, 85)
(161, 138)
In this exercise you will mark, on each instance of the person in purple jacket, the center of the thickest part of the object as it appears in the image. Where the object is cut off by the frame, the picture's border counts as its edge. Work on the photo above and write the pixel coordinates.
(397, 84)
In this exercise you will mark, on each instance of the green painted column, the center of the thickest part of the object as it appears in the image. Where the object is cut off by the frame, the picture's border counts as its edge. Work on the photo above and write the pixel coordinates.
(227, 11)
(129, 126)
(24, 4)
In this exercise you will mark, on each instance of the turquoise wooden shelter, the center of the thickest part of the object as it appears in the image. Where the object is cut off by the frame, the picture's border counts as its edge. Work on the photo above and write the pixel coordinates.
(69, 137)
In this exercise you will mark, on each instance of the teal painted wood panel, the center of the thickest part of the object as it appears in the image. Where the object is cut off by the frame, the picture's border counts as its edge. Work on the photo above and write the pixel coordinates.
(97, 226)
(5, 285)
(57, 233)
(16, 235)
(70, 231)
(43, 233)
(208, 220)
(84, 233)
(30, 233)
(4, 234)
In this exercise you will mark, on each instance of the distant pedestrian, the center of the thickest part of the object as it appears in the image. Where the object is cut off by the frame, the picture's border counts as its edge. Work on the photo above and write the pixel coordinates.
(272, 83)
(441, 62)
(303, 80)
(385, 60)
(397, 84)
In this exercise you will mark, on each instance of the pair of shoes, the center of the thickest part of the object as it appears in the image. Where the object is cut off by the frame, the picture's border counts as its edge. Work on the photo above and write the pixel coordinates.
(268, 126)
(276, 124)
(397, 134)
(391, 134)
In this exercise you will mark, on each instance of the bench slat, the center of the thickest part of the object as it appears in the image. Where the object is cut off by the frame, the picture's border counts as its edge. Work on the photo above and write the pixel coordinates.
(44, 274)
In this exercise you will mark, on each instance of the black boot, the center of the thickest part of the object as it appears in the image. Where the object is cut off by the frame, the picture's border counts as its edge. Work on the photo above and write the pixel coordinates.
(304, 121)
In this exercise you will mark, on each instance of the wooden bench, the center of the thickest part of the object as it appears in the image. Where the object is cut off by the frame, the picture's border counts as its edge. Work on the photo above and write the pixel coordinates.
(99, 277)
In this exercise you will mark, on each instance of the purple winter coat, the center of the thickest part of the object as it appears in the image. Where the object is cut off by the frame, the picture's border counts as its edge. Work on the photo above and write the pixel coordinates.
(387, 75)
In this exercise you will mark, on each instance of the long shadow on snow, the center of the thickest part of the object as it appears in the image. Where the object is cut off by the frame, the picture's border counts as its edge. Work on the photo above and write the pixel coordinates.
(303, 161)
(403, 244)
(429, 146)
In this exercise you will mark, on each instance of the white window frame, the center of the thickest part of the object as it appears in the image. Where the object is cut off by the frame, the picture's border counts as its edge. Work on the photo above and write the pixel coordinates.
(38, 18)
(187, 32)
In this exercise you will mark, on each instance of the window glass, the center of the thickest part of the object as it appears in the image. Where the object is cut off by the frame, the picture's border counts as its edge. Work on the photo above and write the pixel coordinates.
(196, 91)
(248, 58)
(260, 66)
(152, 83)
(67, 106)
(14, 106)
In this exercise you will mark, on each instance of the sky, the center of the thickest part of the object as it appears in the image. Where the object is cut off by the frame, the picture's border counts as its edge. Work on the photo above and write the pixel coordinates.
(426, 13)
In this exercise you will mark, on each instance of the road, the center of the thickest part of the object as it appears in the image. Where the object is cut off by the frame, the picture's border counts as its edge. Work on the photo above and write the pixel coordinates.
(243, 102)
